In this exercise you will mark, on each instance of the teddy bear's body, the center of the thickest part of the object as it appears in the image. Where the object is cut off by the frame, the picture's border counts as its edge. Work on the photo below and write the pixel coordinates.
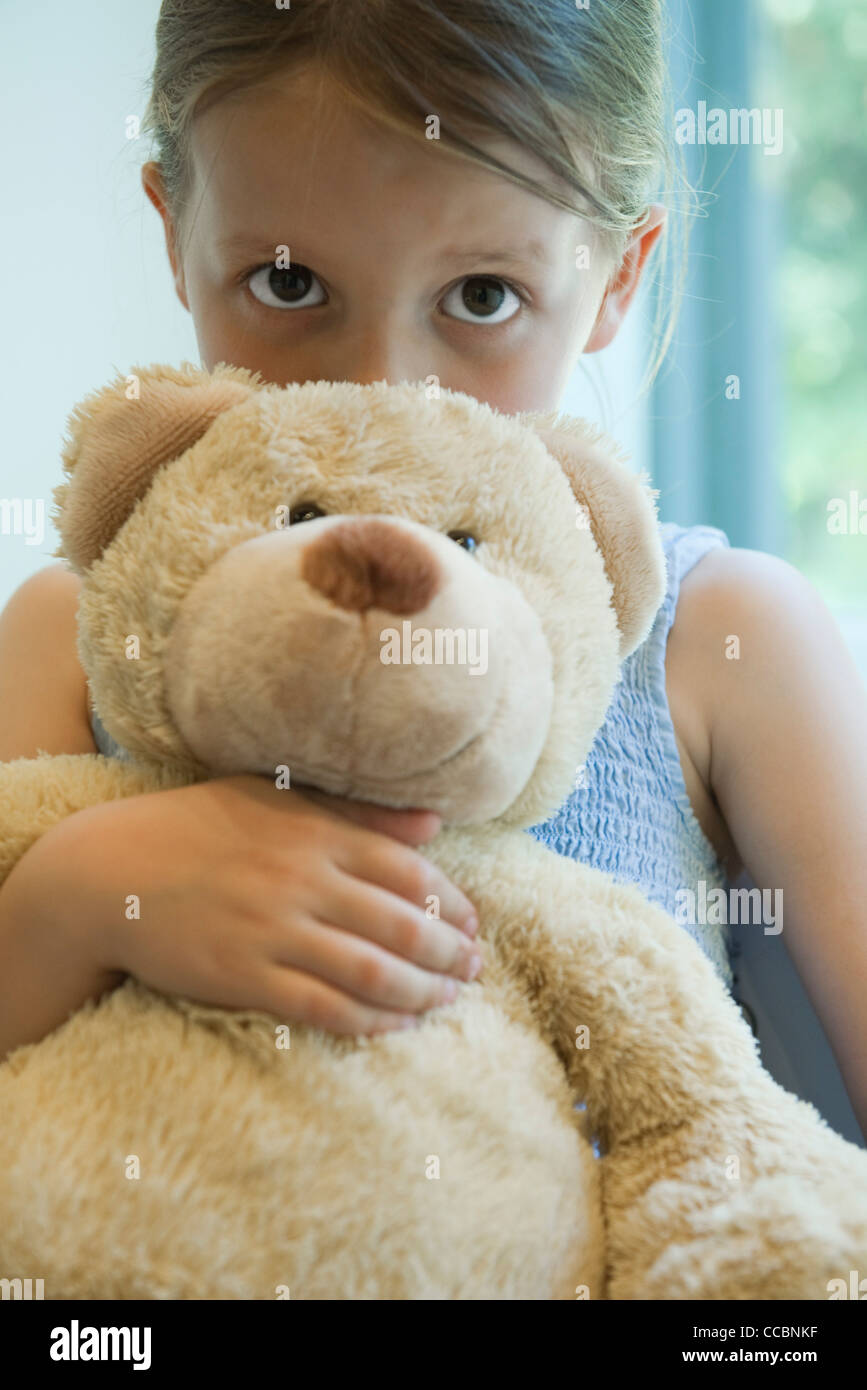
(446, 1162)
(442, 1162)
(154, 1147)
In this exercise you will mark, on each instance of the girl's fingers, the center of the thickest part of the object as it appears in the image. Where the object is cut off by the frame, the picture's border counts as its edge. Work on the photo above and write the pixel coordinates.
(302, 998)
(349, 963)
(396, 925)
(403, 872)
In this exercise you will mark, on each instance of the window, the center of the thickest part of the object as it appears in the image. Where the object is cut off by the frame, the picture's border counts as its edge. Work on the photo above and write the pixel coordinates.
(757, 422)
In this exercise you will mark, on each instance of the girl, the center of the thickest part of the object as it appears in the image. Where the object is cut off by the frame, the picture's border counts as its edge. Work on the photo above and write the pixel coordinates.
(433, 166)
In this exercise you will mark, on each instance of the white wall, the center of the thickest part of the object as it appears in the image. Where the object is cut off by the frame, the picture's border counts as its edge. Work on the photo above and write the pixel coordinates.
(87, 290)
(86, 287)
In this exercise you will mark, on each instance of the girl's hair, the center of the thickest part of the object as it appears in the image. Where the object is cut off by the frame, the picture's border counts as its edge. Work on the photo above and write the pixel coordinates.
(581, 87)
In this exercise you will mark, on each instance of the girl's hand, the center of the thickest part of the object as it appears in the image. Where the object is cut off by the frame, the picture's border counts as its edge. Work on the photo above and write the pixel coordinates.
(251, 897)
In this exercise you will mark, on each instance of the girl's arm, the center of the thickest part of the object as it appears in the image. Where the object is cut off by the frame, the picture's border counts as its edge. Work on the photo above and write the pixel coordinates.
(308, 916)
(43, 690)
(43, 704)
(782, 750)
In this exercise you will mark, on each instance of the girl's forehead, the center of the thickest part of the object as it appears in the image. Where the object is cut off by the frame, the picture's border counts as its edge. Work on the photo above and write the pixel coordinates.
(299, 150)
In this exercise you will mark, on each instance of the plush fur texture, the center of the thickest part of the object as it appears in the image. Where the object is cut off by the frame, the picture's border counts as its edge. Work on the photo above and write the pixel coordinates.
(449, 1161)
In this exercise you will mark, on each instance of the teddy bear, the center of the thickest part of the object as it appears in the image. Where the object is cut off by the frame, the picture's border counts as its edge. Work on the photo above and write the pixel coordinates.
(282, 562)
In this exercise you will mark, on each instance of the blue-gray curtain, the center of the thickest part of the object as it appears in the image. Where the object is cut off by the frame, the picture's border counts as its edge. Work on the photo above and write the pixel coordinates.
(715, 458)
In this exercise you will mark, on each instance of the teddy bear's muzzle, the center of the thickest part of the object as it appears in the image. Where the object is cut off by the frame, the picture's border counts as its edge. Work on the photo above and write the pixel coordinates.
(368, 563)
(373, 657)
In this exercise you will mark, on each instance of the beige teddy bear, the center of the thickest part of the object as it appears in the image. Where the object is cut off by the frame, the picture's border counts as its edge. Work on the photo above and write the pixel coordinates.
(286, 562)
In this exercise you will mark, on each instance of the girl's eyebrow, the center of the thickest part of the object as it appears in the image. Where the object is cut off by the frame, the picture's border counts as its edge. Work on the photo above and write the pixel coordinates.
(533, 250)
(252, 244)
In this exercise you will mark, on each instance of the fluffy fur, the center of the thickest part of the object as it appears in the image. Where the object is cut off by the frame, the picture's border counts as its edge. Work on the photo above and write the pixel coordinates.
(450, 1161)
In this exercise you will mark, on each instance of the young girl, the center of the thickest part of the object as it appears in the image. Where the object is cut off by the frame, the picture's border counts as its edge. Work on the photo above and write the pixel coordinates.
(435, 168)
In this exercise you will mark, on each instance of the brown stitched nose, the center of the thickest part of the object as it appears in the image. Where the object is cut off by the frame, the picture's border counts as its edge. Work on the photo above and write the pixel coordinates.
(370, 564)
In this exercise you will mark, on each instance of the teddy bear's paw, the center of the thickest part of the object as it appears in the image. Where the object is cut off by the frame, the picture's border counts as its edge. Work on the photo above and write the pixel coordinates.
(780, 1239)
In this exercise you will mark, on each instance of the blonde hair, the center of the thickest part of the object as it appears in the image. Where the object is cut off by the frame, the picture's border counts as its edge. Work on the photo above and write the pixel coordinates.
(572, 86)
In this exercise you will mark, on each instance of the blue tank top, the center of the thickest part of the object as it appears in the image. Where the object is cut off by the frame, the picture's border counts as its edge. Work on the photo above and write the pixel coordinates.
(629, 813)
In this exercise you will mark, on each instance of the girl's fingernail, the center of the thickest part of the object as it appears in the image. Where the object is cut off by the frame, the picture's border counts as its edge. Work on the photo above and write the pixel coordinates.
(472, 925)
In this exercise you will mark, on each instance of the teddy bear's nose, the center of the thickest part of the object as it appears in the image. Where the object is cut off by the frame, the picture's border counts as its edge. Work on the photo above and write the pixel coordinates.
(370, 564)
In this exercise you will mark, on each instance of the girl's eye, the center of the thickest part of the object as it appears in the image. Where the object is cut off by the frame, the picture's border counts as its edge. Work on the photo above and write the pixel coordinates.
(463, 538)
(305, 511)
(293, 287)
(482, 299)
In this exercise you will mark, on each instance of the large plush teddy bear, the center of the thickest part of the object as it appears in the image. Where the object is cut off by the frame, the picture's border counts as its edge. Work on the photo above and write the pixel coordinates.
(266, 547)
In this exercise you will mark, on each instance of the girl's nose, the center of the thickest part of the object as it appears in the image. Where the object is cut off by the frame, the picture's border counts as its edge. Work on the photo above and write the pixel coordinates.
(381, 352)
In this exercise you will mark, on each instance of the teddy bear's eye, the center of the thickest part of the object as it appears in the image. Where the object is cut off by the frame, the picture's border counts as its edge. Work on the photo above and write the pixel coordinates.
(463, 538)
(305, 511)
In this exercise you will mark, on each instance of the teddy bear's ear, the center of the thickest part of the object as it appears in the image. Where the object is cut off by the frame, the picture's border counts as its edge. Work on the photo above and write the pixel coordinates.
(621, 509)
(119, 436)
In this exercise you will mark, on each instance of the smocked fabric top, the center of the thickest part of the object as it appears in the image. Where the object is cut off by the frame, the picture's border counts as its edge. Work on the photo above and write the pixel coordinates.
(629, 813)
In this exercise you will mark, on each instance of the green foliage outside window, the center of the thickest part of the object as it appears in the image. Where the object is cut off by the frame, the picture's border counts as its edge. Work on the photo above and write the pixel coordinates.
(814, 66)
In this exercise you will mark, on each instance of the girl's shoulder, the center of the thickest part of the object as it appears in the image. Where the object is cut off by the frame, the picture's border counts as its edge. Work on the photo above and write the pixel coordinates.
(716, 591)
(685, 547)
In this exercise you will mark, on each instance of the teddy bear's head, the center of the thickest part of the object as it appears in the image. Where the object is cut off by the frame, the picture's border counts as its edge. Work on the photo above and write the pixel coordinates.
(406, 599)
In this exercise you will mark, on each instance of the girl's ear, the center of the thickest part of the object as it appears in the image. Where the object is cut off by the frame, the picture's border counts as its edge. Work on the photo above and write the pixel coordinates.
(119, 436)
(619, 507)
(624, 282)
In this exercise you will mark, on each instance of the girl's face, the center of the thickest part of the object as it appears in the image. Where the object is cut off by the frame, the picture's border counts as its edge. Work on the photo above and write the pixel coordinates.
(404, 261)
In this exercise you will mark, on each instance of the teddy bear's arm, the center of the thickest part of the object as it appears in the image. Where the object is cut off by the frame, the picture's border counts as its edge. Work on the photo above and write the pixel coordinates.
(645, 1026)
(717, 1183)
(36, 793)
(647, 1029)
